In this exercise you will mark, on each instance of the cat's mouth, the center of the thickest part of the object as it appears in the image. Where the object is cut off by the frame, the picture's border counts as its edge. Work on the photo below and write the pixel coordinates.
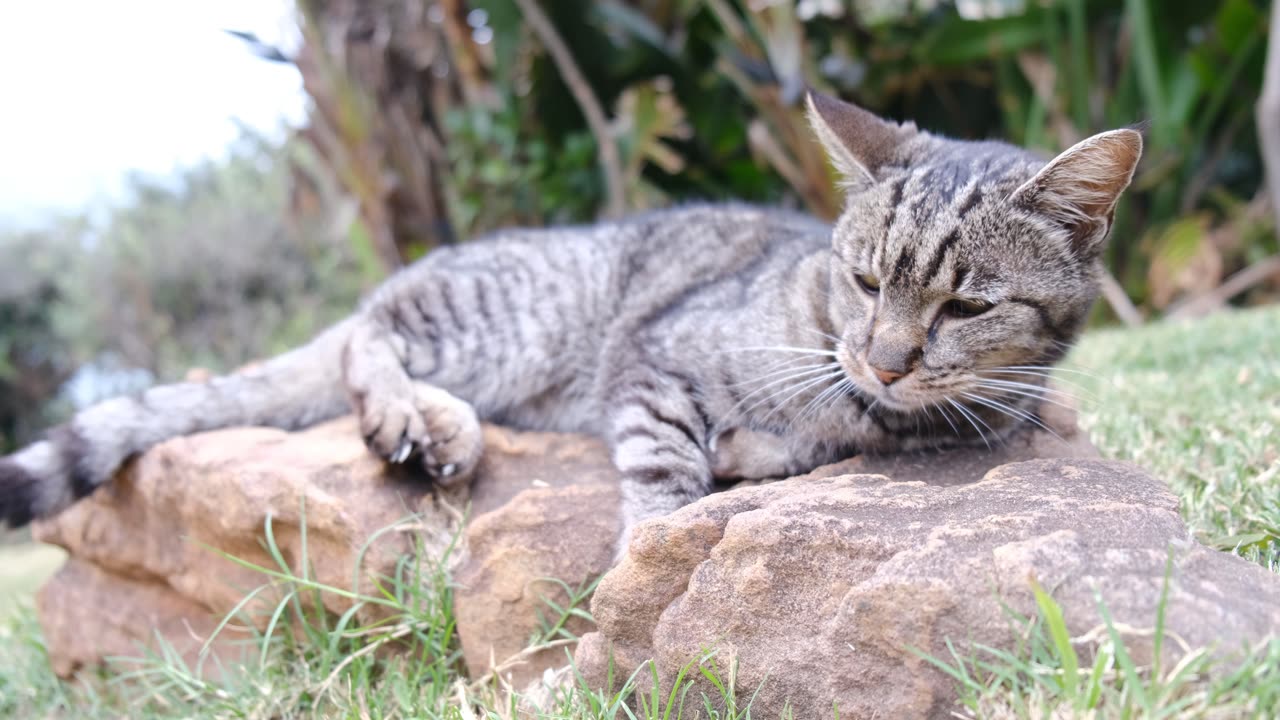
(903, 395)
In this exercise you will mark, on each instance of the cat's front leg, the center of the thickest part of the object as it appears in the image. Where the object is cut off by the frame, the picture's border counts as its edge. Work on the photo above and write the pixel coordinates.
(742, 454)
(658, 439)
(403, 418)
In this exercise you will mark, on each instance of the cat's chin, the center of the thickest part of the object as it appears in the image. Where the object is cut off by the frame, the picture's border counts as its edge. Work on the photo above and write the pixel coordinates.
(901, 404)
(906, 396)
(903, 400)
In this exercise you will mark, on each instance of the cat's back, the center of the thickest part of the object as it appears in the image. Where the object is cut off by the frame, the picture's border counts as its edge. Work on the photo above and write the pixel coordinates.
(700, 225)
(699, 243)
(704, 257)
(693, 229)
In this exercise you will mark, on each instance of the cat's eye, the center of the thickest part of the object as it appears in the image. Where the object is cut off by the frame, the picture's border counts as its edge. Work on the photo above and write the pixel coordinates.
(868, 282)
(960, 308)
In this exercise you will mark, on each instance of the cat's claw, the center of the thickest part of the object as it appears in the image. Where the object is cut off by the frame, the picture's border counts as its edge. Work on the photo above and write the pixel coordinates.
(440, 430)
(403, 452)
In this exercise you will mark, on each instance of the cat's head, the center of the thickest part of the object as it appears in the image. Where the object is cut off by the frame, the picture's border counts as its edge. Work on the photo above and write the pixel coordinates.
(956, 262)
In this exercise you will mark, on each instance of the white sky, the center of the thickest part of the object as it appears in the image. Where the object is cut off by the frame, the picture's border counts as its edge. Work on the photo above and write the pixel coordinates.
(91, 89)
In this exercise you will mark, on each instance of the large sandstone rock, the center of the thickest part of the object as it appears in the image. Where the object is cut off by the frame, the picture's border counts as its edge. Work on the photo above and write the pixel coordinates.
(148, 551)
(821, 586)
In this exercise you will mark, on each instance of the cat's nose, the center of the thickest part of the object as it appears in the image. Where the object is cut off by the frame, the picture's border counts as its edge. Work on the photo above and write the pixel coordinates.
(886, 376)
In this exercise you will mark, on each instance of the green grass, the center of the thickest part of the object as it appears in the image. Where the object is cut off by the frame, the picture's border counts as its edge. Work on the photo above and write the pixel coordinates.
(24, 567)
(1198, 404)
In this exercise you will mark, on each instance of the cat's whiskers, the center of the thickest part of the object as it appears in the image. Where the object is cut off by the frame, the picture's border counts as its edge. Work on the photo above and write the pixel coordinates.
(1050, 370)
(789, 360)
(1044, 374)
(969, 415)
(798, 390)
(819, 333)
(845, 386)
(945, 416)
(1041, 396)
(782, 373)
(812, 407)
(780, 348)
(776, 372)
(1013, 412)
(787, 383)
(1015, 384)
(796, 374)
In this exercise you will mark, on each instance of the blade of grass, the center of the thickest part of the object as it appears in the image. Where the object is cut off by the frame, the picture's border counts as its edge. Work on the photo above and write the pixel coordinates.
(1057, 625)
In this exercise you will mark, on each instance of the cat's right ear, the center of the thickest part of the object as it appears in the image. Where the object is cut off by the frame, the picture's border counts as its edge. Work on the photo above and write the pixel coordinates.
(1079, 189)
(858, 142)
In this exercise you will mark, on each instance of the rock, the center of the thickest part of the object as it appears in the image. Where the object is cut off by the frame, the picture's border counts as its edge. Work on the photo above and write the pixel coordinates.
(820, 586)
(147, 552)
(167, 518)
(517, 461)
(516, 556)
(100, 614)
(563, 530)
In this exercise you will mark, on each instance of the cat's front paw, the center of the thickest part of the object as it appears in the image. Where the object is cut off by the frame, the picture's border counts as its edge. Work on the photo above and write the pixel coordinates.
(454, 441)
(741, 454)
(427, 424)
(392, 427)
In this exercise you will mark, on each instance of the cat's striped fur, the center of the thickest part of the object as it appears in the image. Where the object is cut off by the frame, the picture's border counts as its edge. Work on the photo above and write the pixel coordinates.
(700, 341)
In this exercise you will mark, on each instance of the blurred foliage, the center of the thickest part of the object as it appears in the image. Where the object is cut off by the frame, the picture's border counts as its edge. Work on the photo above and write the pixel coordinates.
(208, 269)
(35, 359)
(705, 96)
(213, 267)
(496, 173)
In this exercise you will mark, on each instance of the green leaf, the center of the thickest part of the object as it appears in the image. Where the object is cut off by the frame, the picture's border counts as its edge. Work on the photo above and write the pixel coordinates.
(1236, 21)
(957, 41)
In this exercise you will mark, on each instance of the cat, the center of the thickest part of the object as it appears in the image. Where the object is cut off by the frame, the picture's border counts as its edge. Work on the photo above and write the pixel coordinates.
(703, 341)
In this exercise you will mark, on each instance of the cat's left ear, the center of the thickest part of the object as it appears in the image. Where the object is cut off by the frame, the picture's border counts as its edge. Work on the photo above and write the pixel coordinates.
(858, 142)
(1079, 189)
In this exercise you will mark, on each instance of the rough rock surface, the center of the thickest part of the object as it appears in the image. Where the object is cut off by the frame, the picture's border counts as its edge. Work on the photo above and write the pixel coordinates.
(153, 536)
(98, 614)
(562, 528)
(820, 586)
(146, 550)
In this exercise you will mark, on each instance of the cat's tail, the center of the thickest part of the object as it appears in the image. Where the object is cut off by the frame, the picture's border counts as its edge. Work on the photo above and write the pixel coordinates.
(293, 390)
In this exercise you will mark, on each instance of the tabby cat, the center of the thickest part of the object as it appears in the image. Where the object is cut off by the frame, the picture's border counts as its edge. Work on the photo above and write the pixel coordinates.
(703, 341)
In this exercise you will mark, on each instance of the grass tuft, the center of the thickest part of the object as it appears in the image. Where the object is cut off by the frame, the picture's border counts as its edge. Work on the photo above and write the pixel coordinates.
(1043, 677)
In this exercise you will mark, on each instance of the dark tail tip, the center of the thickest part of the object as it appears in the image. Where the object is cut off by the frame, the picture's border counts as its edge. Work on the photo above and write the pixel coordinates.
(18, 493)
(73, 448)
